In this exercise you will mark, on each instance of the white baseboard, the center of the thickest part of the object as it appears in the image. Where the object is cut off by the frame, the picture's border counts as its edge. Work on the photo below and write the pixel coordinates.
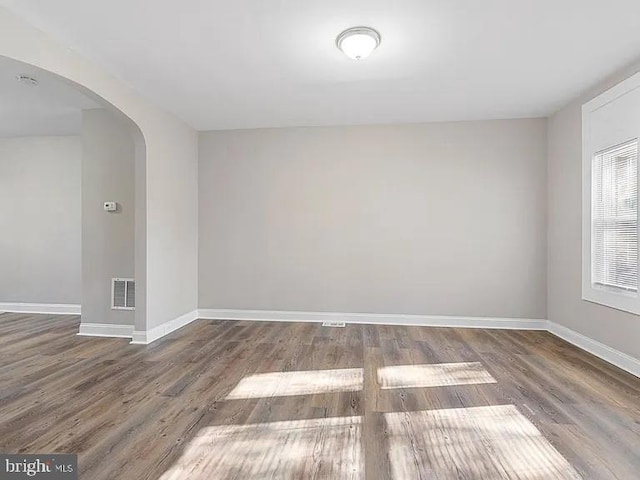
(41, 308)
(611, 355)
(105, 330)
(149, 336)
(608, 354)
(375, 318)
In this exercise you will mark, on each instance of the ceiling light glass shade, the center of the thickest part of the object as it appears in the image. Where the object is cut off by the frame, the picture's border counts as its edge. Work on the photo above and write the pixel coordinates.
(358, 42)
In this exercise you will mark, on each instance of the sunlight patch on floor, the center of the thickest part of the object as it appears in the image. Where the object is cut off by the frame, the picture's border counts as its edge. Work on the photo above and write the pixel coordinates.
(317, 448)
(433, 375)
(282, 384)
(493, 442)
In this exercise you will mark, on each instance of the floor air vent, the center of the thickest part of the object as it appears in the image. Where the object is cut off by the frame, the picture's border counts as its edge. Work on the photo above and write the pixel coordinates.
(333, 324)
(123, 294)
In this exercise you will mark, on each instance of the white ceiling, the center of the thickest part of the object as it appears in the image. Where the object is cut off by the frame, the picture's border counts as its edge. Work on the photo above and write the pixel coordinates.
(51, 108)
(267, 63)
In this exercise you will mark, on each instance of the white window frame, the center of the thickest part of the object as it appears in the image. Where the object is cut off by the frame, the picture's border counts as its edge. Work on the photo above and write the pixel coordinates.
(610, 119)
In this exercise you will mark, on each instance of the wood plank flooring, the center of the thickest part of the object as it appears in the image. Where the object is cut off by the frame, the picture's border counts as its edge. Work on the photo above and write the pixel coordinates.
(266, 400)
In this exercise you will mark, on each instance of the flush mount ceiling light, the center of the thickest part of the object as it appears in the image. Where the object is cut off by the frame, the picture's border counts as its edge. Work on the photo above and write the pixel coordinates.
(358, 42)
(27, 80)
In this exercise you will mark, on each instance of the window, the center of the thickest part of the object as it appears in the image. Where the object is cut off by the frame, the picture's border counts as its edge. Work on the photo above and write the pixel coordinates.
(614, 250)
(610, 133)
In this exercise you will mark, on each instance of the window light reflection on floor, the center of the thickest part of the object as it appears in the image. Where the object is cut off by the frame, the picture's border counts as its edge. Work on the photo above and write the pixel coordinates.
(316, 448)
(433, 375)
(478, 442)
(308, 382)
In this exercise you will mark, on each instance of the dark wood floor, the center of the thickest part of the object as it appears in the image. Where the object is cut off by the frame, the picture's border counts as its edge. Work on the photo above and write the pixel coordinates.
(251, 400)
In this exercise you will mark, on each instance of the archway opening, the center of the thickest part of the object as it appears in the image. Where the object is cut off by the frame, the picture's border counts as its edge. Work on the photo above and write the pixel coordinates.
(73, 178)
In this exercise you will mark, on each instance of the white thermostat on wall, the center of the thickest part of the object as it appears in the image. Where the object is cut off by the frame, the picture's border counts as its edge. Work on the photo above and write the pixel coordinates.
(110, 206)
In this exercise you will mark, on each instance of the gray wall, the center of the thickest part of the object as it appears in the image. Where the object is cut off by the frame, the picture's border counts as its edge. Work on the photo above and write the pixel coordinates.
(107, 238)
(614, 328)
(441, 219)
(172, 227)
(40, 220)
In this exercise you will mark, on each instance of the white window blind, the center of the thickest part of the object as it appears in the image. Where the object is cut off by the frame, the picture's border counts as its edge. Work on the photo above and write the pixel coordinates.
(614, 245)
